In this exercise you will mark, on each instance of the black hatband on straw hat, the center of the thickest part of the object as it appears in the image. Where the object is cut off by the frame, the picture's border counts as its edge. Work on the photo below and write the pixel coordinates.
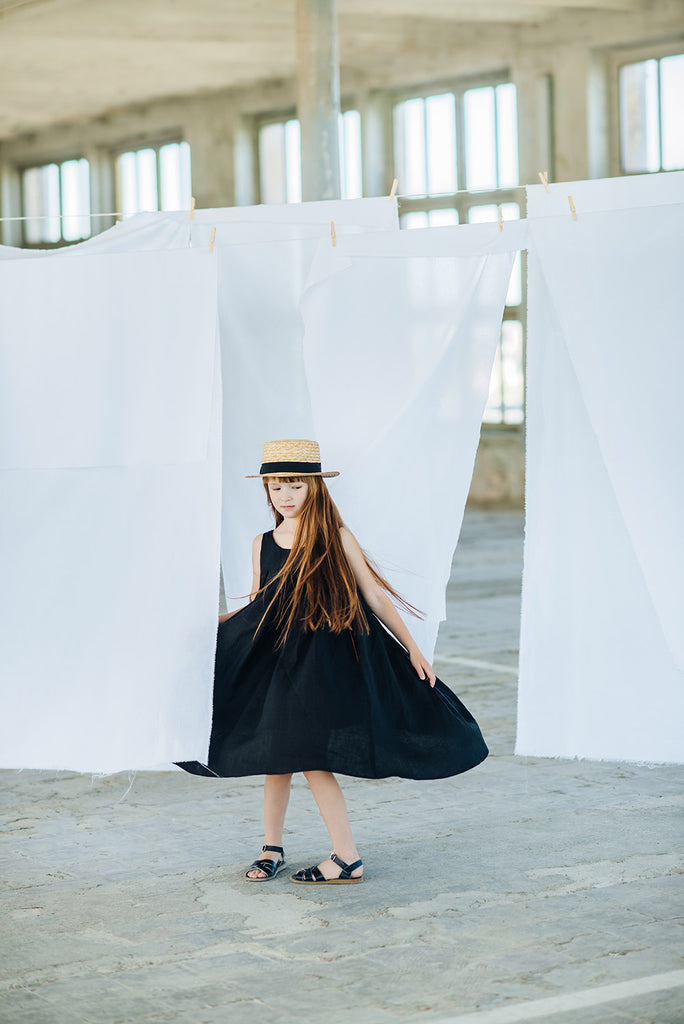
(292, 457)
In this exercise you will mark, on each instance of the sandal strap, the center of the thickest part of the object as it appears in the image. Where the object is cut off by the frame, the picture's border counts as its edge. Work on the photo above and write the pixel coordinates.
(273, 849)
(346, 868)
(311, 874)
(266, 865)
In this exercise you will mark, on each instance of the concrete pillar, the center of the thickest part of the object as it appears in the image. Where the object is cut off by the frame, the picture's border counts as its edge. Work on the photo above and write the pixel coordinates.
(535, 123)
(598, 129)
(209, 130)
(318, 98)
(102, 190)
(571, 114)
(244, 163)
(10, 203)
(376, 127)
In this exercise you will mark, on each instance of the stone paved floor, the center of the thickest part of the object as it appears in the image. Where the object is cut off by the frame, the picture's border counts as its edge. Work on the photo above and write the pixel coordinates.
(516, 892)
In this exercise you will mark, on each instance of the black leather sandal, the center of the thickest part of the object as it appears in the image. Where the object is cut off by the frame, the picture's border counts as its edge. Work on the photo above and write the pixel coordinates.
(268, 866)
(314, 876)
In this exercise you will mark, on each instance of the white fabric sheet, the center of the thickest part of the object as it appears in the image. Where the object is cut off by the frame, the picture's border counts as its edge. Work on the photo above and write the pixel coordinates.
(602, 645)
(400, 336)
(264, 255)
(143, 231)
(377, 214)
(101, 371)
(110, 573)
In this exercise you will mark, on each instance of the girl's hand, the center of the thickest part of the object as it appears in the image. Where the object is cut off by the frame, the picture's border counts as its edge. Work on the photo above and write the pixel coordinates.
(422, 666)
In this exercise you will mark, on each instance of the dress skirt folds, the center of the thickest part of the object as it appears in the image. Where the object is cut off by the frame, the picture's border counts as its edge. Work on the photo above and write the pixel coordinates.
(348, 702)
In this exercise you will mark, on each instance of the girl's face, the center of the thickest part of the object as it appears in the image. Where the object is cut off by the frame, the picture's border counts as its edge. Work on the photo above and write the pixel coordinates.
(288, 498)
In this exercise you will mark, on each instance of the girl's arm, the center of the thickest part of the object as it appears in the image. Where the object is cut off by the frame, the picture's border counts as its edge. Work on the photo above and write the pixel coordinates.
(256, 565)
(382, 606)
(256, 575)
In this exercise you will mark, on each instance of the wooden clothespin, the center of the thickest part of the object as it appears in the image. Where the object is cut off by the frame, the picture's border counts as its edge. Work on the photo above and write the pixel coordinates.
(192, 207)
(573, 211)
(498, 210)
(393, 190)
(333, 239)
(544, 180)
(212, 239)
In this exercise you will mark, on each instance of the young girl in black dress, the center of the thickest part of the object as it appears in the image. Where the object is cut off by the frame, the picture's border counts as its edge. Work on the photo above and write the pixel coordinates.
(308, 679)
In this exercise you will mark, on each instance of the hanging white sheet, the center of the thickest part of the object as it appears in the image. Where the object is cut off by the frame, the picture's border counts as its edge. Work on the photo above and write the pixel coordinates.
(602, 645)
(110, 516)
(143, 231)
(376, 214)
(400, 335)
(264, 255)
(93, 374)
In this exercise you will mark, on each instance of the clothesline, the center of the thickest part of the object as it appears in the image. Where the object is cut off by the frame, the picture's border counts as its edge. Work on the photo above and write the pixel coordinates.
(408, 196)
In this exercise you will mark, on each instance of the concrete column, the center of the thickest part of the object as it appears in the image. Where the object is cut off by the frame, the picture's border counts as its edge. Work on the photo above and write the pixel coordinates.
(209, 127)
(376, 124)
(318, 98)
(571, 129)
(598, 129)
(102, 190)
(244, 163)
(535, 125)
(10, 203)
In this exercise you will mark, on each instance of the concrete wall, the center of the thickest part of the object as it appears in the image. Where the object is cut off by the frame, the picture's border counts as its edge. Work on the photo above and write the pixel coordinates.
(499, 473)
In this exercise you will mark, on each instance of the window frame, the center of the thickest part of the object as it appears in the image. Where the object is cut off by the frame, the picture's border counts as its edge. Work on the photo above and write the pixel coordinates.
(463, 200)
(21, 169)
(282, 116)
(617, 60)
(155, 142)
(459, 200)
(263, 121)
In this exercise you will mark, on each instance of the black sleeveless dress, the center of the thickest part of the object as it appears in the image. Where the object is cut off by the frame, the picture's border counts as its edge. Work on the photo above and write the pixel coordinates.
(350, 703)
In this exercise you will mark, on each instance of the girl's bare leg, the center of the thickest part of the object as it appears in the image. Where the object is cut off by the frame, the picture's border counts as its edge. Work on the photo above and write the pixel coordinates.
(276, 799)
(331, 804)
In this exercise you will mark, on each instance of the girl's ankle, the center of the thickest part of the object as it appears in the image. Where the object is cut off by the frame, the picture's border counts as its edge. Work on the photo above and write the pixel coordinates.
(348, 858)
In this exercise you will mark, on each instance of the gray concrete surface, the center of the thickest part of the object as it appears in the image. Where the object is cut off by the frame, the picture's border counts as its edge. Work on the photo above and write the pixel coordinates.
(525, 890)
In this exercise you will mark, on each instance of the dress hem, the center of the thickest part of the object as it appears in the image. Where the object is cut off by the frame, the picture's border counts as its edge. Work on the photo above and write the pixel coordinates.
(207, 772)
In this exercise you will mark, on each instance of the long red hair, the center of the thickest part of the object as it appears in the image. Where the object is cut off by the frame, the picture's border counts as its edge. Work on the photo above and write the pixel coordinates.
(324, 591)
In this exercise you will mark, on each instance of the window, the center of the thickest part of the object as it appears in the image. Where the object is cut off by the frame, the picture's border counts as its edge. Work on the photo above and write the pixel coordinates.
(429, 218)
(351, 185)
(652, 115)
(425, 145)
(154, 178)
(280, 164)
(56, 201)
(506, 387)
(491, 137)
(432, 163)
(427, 154)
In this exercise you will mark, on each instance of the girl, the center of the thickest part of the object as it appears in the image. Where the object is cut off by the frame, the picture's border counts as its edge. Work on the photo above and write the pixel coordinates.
(308, 679)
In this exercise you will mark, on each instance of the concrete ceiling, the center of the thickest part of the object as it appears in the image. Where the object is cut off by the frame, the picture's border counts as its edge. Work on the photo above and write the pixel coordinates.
(65, 60)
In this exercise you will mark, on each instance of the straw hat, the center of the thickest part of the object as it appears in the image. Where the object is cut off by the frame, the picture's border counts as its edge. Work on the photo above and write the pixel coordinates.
(291, 458)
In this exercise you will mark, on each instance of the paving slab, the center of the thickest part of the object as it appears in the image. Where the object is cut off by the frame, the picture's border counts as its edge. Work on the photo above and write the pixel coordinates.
(526, 879)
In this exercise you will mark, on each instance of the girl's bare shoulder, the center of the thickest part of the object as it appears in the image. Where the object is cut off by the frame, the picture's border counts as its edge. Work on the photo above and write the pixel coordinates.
(349, 541)
(256, 552)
